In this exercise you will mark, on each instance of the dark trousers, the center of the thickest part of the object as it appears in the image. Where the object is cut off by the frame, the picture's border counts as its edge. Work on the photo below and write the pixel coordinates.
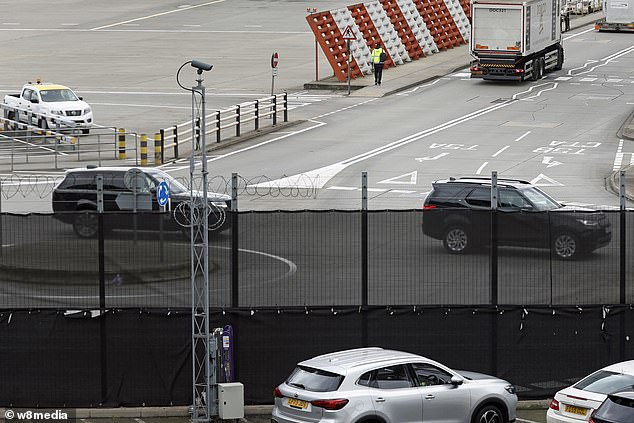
(378, 72)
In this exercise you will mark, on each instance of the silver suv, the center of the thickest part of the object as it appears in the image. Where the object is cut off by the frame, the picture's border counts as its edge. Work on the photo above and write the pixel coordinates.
(373, 385)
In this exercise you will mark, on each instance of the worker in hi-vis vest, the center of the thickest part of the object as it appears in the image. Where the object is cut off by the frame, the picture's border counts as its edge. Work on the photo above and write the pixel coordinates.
(378, 59)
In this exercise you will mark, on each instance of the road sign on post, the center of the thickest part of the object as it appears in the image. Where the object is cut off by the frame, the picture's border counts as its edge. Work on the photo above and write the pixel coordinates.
(348, 35)
(162, 194)
(274, 60)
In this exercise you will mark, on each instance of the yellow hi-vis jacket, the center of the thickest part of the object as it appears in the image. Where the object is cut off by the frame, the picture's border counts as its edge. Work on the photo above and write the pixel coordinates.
(376, 55)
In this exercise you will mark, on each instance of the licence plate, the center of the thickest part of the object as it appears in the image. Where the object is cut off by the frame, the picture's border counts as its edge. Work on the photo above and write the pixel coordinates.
(576, 410)
(296, 403)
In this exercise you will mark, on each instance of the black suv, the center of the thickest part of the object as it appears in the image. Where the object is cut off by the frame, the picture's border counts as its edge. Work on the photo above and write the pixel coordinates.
(75, 201)
(458, 212)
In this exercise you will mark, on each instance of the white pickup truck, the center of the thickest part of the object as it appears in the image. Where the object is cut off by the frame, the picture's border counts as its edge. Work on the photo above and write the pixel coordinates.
(50, 106)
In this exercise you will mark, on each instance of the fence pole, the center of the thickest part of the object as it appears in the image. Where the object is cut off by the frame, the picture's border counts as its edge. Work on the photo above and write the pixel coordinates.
(275, 109)
(494, 272)
(143, 150)
(162, 145)
(218, 126)
(364, 258)
(121, 143)
(175, 142)
(285, 106)
(1, 220)
(157, 149)
(102, 291)
(238, 121)
(622, 262)
(257, 114)
(235, 253)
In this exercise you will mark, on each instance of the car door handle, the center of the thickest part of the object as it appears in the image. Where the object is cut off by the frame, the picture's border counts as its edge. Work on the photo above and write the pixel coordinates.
(380, 399)
(429, 397)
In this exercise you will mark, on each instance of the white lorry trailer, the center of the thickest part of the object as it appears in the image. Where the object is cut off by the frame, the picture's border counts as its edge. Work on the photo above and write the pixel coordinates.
(619, 16)
(515, 40)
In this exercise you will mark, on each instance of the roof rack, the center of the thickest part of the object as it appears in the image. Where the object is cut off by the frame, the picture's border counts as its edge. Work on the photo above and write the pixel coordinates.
(483, 178)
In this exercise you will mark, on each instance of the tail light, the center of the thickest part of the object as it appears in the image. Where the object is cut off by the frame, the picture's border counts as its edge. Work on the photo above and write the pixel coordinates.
(591, 420)
(554, 404)
(277, 393)
(519, 70)
(429, 207)
(474, 68)
(331, 404)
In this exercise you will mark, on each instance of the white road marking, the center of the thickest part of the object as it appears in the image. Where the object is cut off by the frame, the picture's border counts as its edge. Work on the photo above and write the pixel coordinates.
(500, 151)
(157, 14)
(406, 178)
(481, 168)
(525, 421)
(69, 24)
(141, 105)
(550, 182)
(578, 34)
(588, 79)
(461, 74)
(614, 80)
(563, 78)
(618, 158)
(556, 84)
(549, 162)
(416, 88)
(525, 134)
(334, 187)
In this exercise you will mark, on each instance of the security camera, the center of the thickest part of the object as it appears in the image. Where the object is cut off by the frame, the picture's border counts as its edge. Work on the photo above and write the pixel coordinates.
(201, 66)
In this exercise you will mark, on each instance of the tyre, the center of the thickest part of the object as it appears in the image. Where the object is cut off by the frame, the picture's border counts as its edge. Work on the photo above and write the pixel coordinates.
(488, 414)
(457, 240)
(566, 246)
(542, 67)
(560, 59)
(85, 131)
(535, 72)
(86, 224)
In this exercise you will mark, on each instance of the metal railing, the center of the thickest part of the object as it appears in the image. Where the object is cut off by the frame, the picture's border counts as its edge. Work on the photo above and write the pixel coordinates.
(220, 122)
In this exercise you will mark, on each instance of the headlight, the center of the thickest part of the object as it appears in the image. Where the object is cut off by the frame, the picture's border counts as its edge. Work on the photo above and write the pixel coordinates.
(510, 389)
(57, 112)
(587, 222)
(86, 111)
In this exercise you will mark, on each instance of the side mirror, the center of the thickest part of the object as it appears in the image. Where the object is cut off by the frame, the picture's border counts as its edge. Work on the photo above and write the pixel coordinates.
(81, 98)
(35, 100)
(456, 380)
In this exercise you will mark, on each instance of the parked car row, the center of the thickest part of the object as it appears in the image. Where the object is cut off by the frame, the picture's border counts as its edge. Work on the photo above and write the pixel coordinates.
(375, 385)
(581, 7)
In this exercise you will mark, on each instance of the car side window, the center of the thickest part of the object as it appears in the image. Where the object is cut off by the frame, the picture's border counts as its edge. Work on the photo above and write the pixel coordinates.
(513, 199)
(430, 375)
(79, 181)
(113, 181)
(392, 377)
(479, 197)
(27, 94)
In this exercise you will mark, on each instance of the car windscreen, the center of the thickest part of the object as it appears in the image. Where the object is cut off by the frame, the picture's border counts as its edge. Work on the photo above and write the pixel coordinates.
(52, 96)
(540, 199)
(315, 380)
(175, 186)
(606, 382)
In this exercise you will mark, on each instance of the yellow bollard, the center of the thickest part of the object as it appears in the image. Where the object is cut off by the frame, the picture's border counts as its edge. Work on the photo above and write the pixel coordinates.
(143, 150)
(121, 143)
(157, 148)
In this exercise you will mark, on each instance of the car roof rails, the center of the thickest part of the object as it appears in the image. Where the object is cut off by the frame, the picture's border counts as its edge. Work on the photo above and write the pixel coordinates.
(483, 178)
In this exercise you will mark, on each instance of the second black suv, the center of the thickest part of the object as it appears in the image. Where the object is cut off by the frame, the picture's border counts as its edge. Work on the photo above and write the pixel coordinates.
(75, 201)
(458, 212)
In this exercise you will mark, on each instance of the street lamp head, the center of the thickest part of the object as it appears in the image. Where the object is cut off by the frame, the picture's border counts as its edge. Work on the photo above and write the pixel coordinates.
(201, 66)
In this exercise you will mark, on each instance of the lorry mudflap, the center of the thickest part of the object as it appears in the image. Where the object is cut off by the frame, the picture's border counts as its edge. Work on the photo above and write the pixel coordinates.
(602, 25)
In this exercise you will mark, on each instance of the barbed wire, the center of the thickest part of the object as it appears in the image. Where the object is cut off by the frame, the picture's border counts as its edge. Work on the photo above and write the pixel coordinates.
(297, 186)
(216, 216)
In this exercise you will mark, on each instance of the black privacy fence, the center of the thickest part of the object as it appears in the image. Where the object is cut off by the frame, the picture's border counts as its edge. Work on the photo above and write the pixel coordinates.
(321, 258)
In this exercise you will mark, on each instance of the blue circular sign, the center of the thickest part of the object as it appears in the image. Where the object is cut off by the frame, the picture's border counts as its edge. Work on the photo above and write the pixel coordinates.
(162, 194)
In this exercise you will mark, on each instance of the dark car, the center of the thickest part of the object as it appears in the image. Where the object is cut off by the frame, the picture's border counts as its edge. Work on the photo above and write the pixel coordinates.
(458, 212)
(617, 408)
(75, 201)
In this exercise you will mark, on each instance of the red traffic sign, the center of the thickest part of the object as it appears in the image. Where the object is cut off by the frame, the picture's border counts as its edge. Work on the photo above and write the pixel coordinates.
(348, 34)
(274, 60)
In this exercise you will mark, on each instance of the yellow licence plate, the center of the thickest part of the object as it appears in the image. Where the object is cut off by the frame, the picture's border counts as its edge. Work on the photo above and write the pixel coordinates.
(292, 402)
(576, 410)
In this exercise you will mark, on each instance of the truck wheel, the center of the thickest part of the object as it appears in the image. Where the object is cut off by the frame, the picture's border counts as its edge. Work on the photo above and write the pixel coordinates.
(535, 70)
(560, 59)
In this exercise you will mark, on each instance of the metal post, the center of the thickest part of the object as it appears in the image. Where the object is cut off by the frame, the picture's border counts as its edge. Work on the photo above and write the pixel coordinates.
(218, 126)
(1, 220)
(235, 253)
(176, 142)
(102, 291)
(197, 131)
(98, 148)
(285, 106)
(274, 110)
(158, 151)
(203, 345)
(55, 142)
(162, 145)
(143, 150)
(364, 258)
(622, 261)
(348, 60)
(238, 121)
(257, 114)
(494, 272)
(121, 143)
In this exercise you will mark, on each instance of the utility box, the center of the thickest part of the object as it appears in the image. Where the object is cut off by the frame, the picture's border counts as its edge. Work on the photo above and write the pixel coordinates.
(230, 400)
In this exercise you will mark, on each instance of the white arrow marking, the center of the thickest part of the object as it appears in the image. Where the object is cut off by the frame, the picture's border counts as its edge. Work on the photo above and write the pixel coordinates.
(549, 162)
(550, 182)
(420, 159)
(395, 180)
